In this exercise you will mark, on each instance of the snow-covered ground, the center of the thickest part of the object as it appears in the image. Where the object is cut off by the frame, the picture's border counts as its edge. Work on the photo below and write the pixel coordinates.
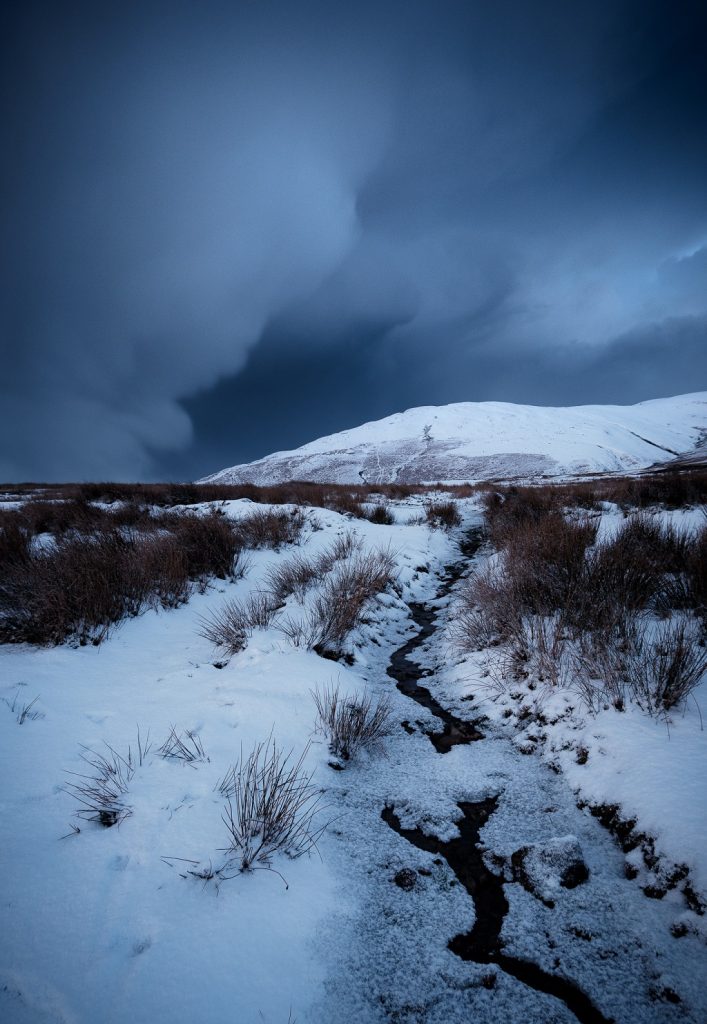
(103, 925)
(485, 440)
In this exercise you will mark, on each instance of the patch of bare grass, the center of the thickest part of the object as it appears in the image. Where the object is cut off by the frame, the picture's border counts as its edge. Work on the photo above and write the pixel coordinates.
(102, 792)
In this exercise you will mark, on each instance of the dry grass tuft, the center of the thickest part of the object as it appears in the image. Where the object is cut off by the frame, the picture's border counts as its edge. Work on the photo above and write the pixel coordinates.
(272, 807)
(350, 723)
(231, 626)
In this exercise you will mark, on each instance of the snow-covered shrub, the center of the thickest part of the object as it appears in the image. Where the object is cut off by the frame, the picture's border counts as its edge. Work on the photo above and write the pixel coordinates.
(657, 666)
(298, 573)
(295, 576)
(571, 612)
(271, 807)
(350, 723)
(535, 576)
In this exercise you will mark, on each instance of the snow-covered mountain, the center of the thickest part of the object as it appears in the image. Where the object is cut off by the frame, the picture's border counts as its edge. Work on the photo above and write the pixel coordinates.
(483, 440)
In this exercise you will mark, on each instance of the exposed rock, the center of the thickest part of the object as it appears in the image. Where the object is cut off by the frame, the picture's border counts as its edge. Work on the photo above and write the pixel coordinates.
(406, 879)
(544, 868)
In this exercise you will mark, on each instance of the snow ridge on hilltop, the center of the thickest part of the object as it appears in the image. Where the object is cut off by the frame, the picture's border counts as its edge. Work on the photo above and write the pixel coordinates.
(469, 441)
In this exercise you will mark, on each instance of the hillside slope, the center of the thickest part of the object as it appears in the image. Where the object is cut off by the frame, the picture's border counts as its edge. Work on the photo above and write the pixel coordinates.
(483, 440)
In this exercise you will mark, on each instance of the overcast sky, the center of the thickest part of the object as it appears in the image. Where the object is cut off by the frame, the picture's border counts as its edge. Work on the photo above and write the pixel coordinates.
(229, 228)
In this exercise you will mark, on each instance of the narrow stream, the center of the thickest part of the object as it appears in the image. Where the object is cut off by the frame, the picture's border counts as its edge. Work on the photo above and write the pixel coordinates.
(483, 943)
(407, 673)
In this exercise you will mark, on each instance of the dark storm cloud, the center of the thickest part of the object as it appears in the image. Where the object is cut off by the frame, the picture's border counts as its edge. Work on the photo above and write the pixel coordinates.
(233, 227)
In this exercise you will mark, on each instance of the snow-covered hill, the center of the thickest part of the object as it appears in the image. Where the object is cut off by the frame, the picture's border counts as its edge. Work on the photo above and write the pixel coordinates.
(484, 440)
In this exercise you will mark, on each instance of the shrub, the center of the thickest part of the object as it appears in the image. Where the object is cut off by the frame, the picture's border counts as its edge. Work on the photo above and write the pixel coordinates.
(442, 515)
(344, 546)
(166, 567)
(338, 608)
(507, 510)
(271, 807)
(293, 576)
(658, 667)
(544, 560)
(298, 573)
(211, 544)
(350, 723)
(82, 584)
(15, 542)
(78, 590)
(381, 515)
(232, 625)
(267, 529)
(669, 667)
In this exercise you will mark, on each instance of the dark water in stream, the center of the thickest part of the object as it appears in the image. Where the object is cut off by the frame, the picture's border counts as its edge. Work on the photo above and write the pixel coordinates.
(483, 943)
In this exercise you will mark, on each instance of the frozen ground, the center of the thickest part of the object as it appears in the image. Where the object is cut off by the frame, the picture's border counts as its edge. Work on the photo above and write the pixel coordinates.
(103, 926)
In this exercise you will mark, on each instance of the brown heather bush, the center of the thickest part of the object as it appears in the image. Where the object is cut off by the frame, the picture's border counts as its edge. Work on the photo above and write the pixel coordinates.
(79, 589)
(442, 515)
(344, 498)
(15, 541)
(82, 584)
(510, 508)
(266, 529)
(670, 488)
(211, 543)
(564, 607)
(546, 559)
(381, 515)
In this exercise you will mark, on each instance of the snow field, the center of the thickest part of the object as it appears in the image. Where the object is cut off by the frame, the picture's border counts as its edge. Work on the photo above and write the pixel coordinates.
(99, 926)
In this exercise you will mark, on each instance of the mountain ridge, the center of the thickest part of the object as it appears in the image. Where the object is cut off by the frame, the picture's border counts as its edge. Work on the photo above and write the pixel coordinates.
(467, 441)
